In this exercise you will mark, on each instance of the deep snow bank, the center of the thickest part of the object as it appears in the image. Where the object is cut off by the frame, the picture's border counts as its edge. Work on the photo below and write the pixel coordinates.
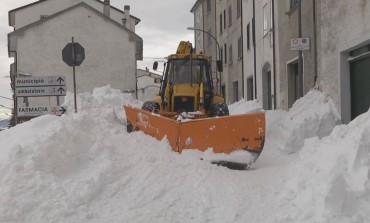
(85, 167)
(336, 182)
(313, 115)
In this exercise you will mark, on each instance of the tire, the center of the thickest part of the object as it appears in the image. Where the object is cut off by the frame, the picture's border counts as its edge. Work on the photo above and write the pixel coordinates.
(150, 106)
(129, 127)
(219, 109)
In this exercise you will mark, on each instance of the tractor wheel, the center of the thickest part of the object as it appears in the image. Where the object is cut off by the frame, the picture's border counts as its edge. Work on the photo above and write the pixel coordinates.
(150, 106)
(129, 127)
(219, 109)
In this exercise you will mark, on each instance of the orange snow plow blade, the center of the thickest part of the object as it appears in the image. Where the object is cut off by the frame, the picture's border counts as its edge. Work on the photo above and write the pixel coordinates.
(223, 134)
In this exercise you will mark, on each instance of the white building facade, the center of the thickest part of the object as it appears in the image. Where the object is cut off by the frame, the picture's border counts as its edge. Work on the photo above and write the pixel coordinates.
(146, 87)
(43, 29)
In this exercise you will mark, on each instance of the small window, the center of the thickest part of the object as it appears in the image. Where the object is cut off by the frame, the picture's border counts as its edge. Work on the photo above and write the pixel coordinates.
(240, 48)
(225, 53)
(224, 19)
(209, 6)
(43, 17)
(250, 88)
(248, 37)
(266, 19)
(235, 91)
(230, 54)
(230, 16)
(222, 54)
(221, 23)
(238, 8)
(209, 40)
(293, 4)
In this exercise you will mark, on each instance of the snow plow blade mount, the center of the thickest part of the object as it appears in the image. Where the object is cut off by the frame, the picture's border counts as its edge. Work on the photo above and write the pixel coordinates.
(223, 134)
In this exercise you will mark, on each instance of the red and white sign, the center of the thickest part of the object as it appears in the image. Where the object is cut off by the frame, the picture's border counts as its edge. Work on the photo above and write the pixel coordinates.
(300, 44)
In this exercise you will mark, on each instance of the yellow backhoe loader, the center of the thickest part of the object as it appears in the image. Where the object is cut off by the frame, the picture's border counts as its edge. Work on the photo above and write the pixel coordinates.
(192, 116)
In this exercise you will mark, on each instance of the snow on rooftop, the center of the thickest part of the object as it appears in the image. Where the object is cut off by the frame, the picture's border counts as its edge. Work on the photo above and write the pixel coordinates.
(85, 167)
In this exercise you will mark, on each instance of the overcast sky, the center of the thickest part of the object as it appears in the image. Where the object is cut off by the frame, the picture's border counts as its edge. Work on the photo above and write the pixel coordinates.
(163, 24)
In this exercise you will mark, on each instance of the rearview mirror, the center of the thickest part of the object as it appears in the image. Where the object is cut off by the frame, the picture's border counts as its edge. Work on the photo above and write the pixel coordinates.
(155, 65)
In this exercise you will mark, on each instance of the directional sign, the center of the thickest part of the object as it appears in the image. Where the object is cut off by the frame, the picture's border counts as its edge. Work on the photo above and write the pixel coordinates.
(40, 91)
(67, 54)
(42, 110)
(40, 81)
(300, 44)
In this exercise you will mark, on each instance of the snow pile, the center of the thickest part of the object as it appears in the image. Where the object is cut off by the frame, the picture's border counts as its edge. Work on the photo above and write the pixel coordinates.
(85, 167)
(336, 182)
(244, 106)
(312, 115)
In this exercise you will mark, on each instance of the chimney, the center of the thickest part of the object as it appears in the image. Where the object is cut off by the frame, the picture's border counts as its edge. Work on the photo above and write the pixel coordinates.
(107, 8)
(126, 18)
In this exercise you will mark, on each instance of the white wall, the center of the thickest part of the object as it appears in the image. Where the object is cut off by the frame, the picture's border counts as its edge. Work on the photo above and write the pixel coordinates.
(147, 89)
(110, 56)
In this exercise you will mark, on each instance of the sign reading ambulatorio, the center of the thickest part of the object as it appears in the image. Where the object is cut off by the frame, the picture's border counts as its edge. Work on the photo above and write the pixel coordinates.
(40, 86)
(41, 110)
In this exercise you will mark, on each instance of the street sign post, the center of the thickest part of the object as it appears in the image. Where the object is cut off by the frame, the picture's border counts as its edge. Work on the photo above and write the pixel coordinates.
(41, 110)
(73, 54)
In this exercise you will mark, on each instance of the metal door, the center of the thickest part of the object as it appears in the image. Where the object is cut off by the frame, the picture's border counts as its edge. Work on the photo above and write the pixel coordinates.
(360, 86)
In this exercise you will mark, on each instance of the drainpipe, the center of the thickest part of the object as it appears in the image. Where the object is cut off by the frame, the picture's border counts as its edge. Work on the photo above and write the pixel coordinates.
(314, 41)
(254, 50)
(273, 49)
(241, 17)
(107, 8)
(300, 52)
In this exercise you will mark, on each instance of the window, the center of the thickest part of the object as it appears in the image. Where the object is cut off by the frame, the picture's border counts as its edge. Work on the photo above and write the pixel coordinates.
(221, 23)
(222, 54)
(43, 16)
(230, 54)
(209, 7)
(230, 16)
(225, 53)
(265, 19)
(248, 37)
(250, 88)
(209, 40)
(240, 48)
(224, 19)
(238, 8)
(235, 91)
(293, 4)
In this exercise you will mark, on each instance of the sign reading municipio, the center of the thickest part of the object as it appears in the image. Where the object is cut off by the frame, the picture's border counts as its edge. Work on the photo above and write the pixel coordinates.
(40, 81)
(41, 110)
